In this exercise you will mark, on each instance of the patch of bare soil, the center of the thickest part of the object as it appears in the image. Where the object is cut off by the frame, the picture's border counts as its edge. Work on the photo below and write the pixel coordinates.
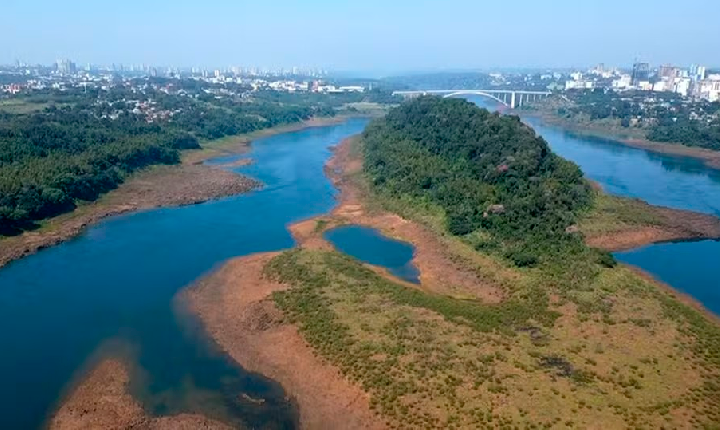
(675, 224)
(438, 271)
(307, 233)
(157, 187)
(235, 306)
(102, 402)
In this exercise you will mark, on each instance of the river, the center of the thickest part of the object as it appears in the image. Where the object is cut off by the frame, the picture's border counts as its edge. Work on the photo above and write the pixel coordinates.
(664, 180)
(118, 279)
(676, 182)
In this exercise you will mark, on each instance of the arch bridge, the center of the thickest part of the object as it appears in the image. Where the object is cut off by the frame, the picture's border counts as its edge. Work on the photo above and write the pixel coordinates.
(509, 98)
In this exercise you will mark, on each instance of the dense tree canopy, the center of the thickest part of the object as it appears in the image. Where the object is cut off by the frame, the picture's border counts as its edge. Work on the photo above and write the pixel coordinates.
(87, 141)
(489, 173)
(50, 159)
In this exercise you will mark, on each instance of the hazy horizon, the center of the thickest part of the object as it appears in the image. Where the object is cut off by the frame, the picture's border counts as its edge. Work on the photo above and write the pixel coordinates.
(370, 36)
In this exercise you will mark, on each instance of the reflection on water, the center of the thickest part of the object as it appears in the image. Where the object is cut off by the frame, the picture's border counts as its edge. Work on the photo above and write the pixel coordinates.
(119, 278)
(371, 246)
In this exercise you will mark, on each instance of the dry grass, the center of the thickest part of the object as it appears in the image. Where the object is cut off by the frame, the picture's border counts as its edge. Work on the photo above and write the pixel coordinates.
(602, 348)
(431, 361)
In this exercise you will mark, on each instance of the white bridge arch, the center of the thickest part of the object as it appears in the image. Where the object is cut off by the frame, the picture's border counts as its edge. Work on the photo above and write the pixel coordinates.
(476, 93)
(509, 98)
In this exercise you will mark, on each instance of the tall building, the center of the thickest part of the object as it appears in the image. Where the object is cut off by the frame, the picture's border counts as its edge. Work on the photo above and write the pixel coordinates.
(66, 67)
(668, 71)
(640, 73)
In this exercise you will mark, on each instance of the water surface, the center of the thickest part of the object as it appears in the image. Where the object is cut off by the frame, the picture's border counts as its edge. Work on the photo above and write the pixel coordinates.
(659, 179)
(691, 267)
(372, 247)
(118, 280)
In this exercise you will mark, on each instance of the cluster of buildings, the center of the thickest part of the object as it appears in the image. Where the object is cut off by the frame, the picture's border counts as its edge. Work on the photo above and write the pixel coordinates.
(66, 74)
(694, 81)
(145, 108)
(68, 67)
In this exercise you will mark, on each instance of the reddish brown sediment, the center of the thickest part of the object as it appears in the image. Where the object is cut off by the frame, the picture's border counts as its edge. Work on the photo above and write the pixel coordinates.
(237, 309)
(237, 163)
(235, 302)
(101, 401)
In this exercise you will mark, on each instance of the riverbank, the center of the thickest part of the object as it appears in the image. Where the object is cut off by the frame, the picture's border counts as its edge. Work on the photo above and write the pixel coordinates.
(708, 157)
(620, 224)
(236, 306)
(102, 401)
(599, 342)
(233, 145)
(442, 270)
(190, 182)
(159, 186)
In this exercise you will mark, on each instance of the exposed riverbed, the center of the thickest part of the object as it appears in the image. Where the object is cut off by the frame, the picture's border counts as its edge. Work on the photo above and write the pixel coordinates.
(664, 180)
(117, 280)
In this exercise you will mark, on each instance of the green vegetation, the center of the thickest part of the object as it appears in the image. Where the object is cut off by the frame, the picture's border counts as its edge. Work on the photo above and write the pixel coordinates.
(431, 361)
(611, 214)
(576, 340)
(50, 159)
(486, 171)
(659, 117)
(58, 149)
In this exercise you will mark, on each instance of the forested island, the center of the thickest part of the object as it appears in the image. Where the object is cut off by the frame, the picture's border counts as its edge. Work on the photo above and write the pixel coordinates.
(517, 321)
(62, 148)
(655, 117)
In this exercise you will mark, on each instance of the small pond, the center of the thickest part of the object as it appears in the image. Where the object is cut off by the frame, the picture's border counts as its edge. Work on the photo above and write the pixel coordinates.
(370, 246)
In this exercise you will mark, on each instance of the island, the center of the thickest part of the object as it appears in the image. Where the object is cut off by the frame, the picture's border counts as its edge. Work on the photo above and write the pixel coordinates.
(522, 318)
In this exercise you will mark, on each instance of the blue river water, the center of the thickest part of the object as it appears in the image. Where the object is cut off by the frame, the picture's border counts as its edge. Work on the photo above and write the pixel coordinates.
(371, 246)
(683, 183)
(664, 180)
(117, 282)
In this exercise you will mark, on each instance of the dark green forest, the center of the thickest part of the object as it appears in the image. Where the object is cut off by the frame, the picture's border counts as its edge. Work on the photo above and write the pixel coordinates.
(49, 160)
(86, 142)
(489, 173)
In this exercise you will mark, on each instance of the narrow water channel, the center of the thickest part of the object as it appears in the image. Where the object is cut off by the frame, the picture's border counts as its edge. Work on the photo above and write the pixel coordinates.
(118, 280)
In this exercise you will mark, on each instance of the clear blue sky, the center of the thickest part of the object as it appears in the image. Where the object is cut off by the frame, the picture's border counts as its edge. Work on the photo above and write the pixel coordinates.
(367, 35)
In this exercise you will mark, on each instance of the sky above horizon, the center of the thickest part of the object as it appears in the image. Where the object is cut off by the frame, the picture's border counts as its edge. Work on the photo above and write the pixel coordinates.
(380, 36)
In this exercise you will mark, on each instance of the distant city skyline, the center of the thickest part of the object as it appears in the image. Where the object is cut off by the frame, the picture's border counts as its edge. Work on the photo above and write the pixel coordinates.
(370, 36)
